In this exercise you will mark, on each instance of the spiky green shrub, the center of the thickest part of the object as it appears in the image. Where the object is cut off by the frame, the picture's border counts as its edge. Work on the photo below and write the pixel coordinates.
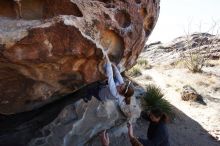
(153, 98)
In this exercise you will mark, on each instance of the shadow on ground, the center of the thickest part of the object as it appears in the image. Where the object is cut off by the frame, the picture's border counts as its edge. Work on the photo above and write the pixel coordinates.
(183, 131)
(20, 128)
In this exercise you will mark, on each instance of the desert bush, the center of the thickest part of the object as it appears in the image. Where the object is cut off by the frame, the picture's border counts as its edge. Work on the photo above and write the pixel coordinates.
(143, 63)
(194, 62)
(194, 57)
(153, 98)
(134, 72)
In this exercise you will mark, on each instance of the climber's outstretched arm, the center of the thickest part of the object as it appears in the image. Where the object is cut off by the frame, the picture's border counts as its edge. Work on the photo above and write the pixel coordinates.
(109, 73)
(118, 77)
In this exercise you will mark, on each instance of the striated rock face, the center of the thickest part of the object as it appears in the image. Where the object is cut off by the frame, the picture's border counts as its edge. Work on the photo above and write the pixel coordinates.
(79, 123)
(51, 48)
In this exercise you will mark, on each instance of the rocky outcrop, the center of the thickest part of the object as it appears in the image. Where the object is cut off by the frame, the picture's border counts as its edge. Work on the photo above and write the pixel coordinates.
(204, 44)
(68, 122)
(189, 93)
(51, 48)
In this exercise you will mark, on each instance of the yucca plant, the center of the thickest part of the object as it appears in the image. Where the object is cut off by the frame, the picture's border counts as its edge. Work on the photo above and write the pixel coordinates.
(153, 98)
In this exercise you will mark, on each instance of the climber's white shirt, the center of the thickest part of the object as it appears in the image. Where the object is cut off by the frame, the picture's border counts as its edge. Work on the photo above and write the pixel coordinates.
(110, 91)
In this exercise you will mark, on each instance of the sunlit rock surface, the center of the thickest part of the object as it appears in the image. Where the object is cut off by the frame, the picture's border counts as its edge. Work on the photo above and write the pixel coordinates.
(50, 51)
(50, 48)
(77, 124)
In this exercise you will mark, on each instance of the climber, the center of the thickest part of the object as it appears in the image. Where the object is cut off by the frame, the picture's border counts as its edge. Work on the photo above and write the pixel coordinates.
(17, 8)
(116, 89)
(157, 131)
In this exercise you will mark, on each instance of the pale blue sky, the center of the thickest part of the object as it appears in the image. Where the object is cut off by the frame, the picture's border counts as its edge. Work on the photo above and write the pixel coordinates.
(179, 15)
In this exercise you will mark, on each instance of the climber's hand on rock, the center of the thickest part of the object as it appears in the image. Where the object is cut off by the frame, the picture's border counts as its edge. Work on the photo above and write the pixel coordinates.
(106, 57)
(107, 68)
(104, 138)
(114, 66)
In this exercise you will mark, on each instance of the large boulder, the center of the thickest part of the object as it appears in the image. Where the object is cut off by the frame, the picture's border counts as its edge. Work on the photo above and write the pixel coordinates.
(189, 93)
(68, 122)
(51, 48)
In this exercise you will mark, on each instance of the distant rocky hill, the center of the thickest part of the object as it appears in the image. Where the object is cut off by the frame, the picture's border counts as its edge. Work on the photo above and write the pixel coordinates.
(206, 44)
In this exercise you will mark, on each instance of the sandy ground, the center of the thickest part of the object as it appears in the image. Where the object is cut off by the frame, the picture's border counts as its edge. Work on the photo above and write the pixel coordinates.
(195, 124)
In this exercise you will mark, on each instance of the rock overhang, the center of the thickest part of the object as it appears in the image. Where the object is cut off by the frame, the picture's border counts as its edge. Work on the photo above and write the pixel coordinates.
(57, 46)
